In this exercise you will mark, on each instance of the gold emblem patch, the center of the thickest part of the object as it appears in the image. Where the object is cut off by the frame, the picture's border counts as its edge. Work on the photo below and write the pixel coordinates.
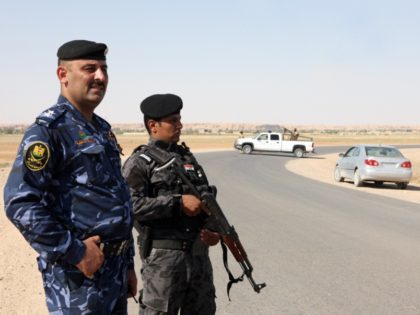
(37, 156)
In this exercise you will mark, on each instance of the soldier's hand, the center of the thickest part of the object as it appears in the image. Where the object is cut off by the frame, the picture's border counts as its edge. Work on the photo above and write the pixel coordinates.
(191, 205)
(209, 238)
(93, 258)
(132, 283)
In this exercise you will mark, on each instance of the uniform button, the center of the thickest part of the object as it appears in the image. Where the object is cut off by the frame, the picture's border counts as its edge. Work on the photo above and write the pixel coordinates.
(187, 230)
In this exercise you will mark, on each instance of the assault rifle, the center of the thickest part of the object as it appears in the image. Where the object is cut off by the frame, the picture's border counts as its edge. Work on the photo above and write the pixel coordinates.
(226, 231)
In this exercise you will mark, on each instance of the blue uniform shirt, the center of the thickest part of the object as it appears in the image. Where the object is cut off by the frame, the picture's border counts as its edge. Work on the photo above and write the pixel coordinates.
(66, 185)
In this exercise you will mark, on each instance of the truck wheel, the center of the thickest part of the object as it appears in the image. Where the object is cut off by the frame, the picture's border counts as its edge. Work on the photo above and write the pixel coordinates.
(298, 152)
(402, 185)
(247, 149)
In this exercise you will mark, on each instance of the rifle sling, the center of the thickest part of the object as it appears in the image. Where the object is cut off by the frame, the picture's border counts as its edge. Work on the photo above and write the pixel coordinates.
(232, 279)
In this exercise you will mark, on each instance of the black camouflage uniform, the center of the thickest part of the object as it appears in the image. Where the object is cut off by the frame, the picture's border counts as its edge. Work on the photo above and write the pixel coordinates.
(176, 271)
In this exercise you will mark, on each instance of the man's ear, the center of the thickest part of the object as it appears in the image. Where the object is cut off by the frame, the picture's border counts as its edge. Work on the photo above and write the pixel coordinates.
(152, 125)
(62, 72)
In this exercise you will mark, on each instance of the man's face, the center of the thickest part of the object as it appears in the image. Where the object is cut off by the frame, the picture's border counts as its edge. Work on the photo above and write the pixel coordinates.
(84, 82)
(167, 129)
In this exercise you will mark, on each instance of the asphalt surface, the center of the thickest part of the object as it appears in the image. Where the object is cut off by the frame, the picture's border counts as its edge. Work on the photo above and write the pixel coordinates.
(321, 249)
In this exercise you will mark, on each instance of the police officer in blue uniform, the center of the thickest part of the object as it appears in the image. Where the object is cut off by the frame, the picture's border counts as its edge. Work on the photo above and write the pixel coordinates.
(173, 232)
(67, 196)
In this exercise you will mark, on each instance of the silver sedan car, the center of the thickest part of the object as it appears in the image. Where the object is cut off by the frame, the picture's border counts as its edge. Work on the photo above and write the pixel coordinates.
(375, 163)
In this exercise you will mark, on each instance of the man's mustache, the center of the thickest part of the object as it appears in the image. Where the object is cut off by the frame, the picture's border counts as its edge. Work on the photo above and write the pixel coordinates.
(97, 84)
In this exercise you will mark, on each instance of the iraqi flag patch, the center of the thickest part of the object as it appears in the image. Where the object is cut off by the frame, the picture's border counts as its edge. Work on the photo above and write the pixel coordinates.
(189, 167)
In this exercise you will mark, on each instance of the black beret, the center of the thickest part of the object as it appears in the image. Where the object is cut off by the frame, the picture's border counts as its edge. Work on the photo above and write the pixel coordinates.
(161, 105)
(82, 49)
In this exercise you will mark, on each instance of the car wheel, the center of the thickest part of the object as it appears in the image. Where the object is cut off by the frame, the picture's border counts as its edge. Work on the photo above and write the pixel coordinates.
(379, 183)
(337, 174)
(402, 185)
(298, 152)
(357, 180)
(247, 149)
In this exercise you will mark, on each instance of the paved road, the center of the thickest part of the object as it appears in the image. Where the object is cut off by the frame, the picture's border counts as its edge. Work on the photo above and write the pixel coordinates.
(321, 249)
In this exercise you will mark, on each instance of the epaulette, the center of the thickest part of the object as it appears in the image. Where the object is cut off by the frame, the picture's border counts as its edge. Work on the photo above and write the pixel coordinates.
(143, 154)
(46, 118)
(139, 148)
(151, 153)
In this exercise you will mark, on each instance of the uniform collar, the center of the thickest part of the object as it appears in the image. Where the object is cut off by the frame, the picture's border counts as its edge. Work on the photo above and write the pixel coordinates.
(98, 122)
(167, 146)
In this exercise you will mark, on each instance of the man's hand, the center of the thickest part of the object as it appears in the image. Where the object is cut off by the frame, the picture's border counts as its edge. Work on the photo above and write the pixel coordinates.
(191, 205)
(132, 283)
(93, 258)
(209, 238)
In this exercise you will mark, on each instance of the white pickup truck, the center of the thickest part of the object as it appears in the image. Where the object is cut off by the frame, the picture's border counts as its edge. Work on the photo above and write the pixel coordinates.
(275, 142)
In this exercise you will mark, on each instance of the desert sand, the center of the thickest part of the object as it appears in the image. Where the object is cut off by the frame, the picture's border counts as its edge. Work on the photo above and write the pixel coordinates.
(21, 290)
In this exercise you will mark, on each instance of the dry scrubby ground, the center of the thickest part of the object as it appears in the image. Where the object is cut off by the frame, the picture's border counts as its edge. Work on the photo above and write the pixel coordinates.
(21, 290)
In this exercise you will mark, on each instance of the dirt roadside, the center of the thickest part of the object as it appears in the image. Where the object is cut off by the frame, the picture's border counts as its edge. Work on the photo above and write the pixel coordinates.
(21, 290)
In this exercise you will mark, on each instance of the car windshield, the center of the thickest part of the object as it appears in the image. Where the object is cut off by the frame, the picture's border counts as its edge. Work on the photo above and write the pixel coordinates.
(382, 152)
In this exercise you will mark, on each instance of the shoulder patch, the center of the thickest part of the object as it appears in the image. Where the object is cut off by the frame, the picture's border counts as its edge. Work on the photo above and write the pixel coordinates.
(36, 155)
(145, 157)
(46, 118)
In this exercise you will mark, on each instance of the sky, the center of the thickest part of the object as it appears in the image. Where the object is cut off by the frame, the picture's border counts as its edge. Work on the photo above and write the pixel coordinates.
(296, 62)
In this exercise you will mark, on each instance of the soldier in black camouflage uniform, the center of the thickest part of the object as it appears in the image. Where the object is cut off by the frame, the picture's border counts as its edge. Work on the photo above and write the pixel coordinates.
(176, 270)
